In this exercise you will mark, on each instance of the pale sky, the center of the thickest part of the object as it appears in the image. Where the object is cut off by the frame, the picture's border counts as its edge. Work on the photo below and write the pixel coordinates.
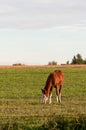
(38, 31)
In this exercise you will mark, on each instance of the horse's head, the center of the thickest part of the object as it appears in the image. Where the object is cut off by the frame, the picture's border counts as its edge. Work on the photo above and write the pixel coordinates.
(44, 96)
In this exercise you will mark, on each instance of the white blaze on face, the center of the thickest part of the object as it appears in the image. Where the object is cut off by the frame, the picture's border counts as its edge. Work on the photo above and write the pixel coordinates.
(44, 98)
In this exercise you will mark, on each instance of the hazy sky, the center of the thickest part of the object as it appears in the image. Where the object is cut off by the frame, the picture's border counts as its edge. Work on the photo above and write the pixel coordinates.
(39, 31)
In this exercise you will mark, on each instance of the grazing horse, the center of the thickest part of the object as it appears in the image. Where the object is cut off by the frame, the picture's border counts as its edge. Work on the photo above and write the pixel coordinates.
(56, 80)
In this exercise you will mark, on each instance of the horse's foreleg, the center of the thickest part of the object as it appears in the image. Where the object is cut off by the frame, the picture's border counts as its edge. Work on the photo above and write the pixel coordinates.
(50, 98)
(50, 95)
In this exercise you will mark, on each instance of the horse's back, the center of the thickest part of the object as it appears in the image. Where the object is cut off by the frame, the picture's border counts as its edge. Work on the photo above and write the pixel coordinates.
(55, 78)
(58, 77)
(59, 73)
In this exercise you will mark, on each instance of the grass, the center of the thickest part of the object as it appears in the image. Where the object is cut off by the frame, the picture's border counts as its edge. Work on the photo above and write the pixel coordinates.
(20, 96)
(65, 123)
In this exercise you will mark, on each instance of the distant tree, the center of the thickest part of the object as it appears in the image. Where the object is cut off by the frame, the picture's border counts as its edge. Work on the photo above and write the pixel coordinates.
(74, 60)
(77, 59)
(49, 63)
(52, 63)
(67, 62)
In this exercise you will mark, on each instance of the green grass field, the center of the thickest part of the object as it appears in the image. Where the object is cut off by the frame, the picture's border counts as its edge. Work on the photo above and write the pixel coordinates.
(20, 95)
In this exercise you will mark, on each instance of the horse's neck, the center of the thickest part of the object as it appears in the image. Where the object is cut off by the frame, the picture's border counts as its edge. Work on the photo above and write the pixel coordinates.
(48, 87)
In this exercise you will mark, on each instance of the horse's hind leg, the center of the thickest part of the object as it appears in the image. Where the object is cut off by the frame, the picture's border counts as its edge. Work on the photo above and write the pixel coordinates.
(59, 97)
(60, 88)
(58, 92)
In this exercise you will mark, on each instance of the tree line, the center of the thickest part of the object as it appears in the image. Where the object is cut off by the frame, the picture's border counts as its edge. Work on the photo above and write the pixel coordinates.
(77, 59)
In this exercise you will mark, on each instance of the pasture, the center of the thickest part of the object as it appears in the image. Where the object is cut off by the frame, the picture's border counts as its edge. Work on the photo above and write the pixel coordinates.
(20, 95)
